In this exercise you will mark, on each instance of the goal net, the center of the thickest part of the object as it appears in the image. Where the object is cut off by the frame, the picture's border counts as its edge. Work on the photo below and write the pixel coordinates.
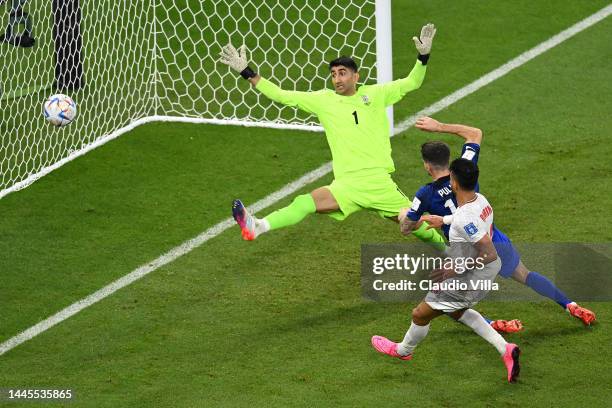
(130, 62)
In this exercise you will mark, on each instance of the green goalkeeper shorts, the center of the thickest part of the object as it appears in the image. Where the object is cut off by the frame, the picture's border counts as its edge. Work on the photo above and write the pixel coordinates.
(368, 191)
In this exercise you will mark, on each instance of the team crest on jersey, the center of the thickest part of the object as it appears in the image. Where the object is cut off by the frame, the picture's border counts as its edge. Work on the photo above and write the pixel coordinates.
(365, 99)
(470, 229)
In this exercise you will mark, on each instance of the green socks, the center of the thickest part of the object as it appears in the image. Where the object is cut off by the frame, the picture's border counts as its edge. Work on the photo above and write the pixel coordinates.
(295, 212)
(430, 236)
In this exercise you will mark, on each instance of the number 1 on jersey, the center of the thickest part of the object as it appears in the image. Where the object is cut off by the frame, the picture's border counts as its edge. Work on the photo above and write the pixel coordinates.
(450, 205)
(356, 119)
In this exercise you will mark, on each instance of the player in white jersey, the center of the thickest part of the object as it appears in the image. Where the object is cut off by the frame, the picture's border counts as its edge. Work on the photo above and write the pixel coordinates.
(470, 238)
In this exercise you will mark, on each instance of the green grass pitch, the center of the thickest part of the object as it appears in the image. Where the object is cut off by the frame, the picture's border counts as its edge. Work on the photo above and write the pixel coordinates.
(281, 321)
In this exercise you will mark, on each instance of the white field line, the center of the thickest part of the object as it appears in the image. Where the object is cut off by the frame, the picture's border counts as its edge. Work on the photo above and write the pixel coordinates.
(157, 263)
(290, 188)
(507, 67)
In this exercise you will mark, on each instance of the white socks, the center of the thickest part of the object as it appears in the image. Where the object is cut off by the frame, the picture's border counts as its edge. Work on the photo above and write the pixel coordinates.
(475, 320)
(413, 336)
(470, 318)
(261, 226)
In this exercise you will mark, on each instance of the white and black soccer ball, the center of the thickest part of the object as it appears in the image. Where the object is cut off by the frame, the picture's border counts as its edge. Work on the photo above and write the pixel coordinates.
(60, 110)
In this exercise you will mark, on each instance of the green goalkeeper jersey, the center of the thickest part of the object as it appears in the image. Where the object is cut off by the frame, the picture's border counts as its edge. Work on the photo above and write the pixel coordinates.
(356, 126)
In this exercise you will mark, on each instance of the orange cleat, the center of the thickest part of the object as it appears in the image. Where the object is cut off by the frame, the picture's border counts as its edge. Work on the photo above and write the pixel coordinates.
(581, 313)
(507, 326)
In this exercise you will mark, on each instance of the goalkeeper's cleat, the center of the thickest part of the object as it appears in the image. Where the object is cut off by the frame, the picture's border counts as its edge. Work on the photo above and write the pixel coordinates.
(511, 361)
(507, 326)
(386, 346)
(581, 313)
(246, 221)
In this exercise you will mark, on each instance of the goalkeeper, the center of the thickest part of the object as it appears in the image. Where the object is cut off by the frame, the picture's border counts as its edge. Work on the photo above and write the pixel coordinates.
(357, 130)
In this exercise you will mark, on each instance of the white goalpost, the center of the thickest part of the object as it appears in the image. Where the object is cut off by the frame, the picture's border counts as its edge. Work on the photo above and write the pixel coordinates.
(130, 63)
(384, 50)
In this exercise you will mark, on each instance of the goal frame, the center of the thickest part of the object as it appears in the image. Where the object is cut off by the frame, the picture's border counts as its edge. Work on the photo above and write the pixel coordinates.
(384, 73)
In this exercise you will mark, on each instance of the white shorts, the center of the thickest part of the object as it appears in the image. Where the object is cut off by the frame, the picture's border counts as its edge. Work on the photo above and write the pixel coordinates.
(449, 301)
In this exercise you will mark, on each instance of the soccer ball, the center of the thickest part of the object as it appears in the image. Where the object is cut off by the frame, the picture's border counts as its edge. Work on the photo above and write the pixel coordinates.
(60, 110)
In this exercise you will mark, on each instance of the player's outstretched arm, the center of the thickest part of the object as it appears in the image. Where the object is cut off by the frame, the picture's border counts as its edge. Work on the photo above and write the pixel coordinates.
(394, 91)
(407, 226)
(436, 221)
(468, 133)
(237, 60)
(424, 41)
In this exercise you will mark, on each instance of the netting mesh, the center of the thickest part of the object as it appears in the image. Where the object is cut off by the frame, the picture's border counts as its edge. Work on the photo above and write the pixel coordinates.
(117, 67)
(141, 58)
(290, 42)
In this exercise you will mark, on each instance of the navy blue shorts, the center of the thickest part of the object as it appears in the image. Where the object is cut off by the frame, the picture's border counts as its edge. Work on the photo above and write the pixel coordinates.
(507, 253)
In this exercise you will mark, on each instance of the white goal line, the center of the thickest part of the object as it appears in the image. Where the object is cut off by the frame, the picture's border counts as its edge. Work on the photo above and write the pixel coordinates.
(288, 189)
(156, 118)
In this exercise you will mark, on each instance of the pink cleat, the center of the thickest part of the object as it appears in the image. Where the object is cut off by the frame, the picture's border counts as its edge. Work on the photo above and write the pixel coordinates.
(511, 360)
(386, 346)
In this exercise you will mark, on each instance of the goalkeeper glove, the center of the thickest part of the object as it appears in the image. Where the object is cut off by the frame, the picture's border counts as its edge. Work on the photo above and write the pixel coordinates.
(423, 43)
(237, 60)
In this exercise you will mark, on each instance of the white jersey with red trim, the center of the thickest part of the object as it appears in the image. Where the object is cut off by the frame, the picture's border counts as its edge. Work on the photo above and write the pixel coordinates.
(472, 221)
